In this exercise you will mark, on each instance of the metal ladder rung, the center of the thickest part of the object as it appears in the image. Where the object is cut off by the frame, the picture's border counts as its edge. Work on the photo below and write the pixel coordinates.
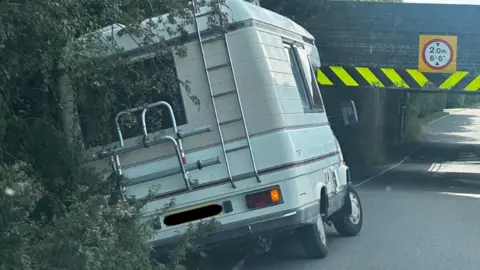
(198, 165)
(225, 93)
(210, 30)
(237, 148)
(218, 66)
(212, 39)
(230, 121)
(211, 35)
(205, 14)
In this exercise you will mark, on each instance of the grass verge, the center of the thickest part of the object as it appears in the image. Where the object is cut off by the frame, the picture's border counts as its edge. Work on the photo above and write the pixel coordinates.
(431, 117)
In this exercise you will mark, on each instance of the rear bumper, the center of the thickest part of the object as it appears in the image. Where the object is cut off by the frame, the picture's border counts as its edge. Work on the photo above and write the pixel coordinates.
(244, 230)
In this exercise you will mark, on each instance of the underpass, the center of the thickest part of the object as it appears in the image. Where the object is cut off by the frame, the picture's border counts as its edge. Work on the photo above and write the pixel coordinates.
(379, 55)
(449, 151)
(414, 218)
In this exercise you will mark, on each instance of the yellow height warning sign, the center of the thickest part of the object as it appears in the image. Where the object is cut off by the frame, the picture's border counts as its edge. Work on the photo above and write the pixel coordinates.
(385, 77)
(437, 54)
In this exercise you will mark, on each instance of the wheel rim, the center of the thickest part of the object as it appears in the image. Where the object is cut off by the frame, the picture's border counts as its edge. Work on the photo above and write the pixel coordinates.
(321, 230)
(356, 212)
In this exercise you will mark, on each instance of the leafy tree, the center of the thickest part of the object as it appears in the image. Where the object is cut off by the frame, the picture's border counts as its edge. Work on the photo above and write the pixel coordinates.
(55, 213)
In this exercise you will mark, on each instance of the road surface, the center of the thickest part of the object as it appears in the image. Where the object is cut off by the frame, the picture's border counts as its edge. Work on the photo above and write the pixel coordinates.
(415, 216)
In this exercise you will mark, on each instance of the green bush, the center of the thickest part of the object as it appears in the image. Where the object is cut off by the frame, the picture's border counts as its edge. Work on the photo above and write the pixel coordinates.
(421, 106)
(462, 101)
(471, 100)
(55, 214)
(456, 101)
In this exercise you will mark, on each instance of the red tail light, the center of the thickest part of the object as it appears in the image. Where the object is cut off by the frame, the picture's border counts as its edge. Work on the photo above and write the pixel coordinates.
(264, 198)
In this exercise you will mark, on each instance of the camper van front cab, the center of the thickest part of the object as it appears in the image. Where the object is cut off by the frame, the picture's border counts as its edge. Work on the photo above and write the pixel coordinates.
(258, 155)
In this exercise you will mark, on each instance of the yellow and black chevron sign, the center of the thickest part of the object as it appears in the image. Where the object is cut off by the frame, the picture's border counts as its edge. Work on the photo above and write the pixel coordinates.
(408, 79)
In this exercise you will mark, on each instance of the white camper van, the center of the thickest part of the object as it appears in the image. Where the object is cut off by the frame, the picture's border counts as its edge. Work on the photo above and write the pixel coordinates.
(258, 154)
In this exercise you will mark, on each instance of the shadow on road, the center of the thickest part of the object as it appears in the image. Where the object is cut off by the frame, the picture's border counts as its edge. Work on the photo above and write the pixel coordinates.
(428, 151)
(455, 128)
(436, 164)
(456, 120)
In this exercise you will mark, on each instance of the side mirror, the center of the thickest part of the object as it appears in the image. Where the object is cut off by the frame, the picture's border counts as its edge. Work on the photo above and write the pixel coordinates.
(349, 113)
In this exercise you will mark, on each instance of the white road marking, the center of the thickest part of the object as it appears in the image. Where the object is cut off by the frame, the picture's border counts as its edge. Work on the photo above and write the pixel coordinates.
(440, 118)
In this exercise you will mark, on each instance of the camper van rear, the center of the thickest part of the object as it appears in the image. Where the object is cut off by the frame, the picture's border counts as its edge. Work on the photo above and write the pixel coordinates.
(255, 150)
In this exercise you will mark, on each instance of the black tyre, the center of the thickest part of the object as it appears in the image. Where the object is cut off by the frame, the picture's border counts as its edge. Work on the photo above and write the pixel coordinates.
(348, 221)
(314, 239)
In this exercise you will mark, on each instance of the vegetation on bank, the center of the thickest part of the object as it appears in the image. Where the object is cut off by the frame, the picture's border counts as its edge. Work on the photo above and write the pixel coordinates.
(424, 108)
(55, 214)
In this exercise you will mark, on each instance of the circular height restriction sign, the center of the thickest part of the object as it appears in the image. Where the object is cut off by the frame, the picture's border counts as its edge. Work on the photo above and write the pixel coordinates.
(437, 54)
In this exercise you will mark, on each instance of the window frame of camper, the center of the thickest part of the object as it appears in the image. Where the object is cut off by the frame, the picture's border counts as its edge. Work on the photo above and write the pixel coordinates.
(314, 93)
(300, 82)
(319, 105)
(309, 88)
(177, 95)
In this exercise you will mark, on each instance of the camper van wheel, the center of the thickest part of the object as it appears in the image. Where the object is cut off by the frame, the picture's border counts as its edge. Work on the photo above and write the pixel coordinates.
(314, 239)
(348, 220)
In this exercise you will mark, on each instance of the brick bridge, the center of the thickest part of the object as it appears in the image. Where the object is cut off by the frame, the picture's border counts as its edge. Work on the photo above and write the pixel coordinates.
(370, 50)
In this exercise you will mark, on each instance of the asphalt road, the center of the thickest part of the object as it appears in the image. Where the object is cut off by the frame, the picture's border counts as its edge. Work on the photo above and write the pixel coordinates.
(416, 216)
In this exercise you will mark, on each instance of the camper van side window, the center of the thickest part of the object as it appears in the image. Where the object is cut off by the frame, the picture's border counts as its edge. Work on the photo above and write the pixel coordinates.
(151, 80)
(299, 78)
(313, 89)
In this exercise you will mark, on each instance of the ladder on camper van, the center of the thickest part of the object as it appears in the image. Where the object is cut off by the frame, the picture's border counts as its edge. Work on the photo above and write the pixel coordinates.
(221, 36)
(147, 140)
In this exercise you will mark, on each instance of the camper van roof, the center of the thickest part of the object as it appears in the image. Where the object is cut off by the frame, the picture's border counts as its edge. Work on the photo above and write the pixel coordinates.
(236, 10)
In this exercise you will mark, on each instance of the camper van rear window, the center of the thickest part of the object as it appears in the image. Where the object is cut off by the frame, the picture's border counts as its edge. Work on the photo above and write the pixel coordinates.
(127, 86)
